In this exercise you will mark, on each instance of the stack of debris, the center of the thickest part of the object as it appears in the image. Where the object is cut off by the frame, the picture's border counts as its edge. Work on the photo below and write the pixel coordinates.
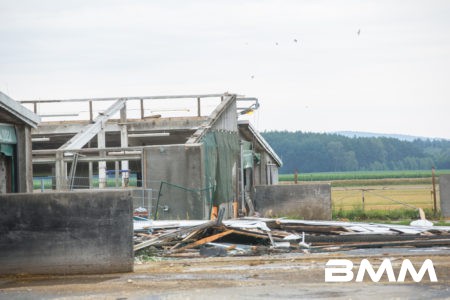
(255, 236)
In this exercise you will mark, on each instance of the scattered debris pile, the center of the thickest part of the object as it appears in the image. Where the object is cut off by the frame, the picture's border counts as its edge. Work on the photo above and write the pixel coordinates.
(255, 236)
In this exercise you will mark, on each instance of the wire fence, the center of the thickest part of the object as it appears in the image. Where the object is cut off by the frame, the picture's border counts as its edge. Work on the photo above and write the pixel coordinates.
(175, 202)
(385, 198)
(164, 200)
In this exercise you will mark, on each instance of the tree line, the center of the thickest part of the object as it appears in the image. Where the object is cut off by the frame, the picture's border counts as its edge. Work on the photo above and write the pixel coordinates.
(321, 152)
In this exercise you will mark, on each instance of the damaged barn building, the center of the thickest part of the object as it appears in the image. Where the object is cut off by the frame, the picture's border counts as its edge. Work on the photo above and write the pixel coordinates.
(183, 157)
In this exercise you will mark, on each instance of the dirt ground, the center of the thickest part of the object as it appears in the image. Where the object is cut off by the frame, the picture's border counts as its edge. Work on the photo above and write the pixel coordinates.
(281, 276)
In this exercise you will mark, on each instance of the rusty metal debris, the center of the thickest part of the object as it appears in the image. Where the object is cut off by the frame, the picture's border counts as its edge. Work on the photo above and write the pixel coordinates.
(254, 236)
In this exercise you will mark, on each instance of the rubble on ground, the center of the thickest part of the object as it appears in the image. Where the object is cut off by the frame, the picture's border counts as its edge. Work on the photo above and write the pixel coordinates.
(256, 236)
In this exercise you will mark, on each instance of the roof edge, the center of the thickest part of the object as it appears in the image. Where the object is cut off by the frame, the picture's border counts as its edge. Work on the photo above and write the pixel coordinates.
(262, 141)
(18, 110)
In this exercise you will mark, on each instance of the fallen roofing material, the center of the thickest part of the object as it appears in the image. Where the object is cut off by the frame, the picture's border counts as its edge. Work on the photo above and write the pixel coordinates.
(252, 236)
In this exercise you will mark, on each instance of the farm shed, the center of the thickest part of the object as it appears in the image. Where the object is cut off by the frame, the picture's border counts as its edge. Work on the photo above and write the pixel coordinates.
(16, 121)
(183, 154)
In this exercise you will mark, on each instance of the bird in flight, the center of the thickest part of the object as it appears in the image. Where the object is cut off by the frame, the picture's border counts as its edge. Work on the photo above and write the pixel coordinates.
(359, 31)
(295, 41)
(276, 43)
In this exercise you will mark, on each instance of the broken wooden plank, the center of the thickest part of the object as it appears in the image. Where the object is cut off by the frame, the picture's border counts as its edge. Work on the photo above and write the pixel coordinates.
(205, 240)
(173, 234)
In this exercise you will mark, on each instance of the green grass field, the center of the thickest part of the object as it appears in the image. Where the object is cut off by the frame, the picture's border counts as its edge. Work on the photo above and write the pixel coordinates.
(45, 183)
(377, 196)
(362, 175)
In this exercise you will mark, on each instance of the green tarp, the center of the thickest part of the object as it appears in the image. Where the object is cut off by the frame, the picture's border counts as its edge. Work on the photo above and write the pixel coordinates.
(7, 134)
(249, 157)
(6, 149)
(221, 152)
(7, 139)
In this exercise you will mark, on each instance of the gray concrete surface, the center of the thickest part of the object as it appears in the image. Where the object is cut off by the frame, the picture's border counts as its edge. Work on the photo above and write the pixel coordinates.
(308, 201)
(444, 190)
(285, 276)
(180, 169)
(66, 233)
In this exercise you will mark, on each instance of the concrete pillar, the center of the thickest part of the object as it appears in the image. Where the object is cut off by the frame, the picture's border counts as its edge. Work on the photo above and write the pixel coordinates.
(91, 174)
(101, 141)
(444, 189)
(24, 162)
(3, 174)
(60, 171)
(116, 173)
(124, 143)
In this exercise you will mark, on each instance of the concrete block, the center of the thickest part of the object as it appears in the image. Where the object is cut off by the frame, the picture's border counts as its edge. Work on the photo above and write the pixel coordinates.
(66, 233)
(179, 168)
(307, 201)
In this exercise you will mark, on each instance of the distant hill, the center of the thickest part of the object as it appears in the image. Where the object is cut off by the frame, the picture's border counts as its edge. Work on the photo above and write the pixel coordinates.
(402, 137)
(328, 152)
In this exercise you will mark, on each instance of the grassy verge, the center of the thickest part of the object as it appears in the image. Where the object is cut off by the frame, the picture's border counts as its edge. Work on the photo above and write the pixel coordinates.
(397, 216)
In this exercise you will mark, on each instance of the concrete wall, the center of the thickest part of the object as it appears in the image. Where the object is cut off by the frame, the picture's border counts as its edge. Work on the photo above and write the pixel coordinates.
(307, 201)
(444, 189)
(66, 233)
(24, 163)
(3, 174)
(180, 169)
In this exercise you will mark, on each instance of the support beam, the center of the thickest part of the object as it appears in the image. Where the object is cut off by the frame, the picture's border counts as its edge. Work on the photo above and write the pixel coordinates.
(124, 143)
(91, 112)
(91, 130)
(101, 141)
(60, 172)
(91, 175)
(116, 173)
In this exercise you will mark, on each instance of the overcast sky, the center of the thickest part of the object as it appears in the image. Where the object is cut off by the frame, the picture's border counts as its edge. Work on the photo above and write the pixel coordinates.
(392, 77)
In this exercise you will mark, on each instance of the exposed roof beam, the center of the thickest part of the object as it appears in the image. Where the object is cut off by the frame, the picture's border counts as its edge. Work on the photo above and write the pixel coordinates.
(125, 98)
(91, 130)
(162, 124)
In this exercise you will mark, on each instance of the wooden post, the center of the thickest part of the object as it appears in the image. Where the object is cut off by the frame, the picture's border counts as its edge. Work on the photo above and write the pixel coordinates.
(362, 198)
(35, 107)
(433, 178)
(199, 113)
(296, 176)
(142, 108)
(214, 212)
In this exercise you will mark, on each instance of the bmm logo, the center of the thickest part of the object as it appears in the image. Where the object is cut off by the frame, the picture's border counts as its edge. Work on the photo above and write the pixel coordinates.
(340, 270)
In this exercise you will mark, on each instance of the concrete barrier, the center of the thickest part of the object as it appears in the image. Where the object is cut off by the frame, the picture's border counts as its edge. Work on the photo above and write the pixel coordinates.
(66, 233)
(307, 201)
(444, 194)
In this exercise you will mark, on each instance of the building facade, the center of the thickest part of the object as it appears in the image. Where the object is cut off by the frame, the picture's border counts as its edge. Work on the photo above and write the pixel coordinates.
(16, 169)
